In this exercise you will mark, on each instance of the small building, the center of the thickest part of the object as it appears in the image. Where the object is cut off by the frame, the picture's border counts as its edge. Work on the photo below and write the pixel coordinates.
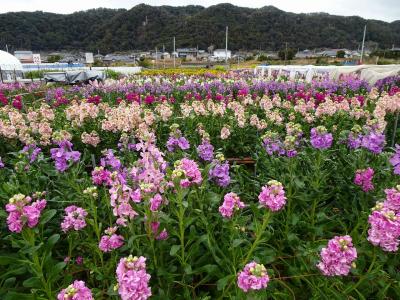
(220, 54)
(187, 52)
(305, 54)
(24, 57)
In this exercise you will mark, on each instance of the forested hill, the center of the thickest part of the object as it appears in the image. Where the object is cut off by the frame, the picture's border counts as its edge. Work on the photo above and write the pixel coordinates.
(145, 27)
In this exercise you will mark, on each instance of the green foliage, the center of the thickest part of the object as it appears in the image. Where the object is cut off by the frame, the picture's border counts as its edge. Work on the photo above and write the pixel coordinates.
(286, 54)
(145, 63)
(388, 53)
(340, 54)
(34, 74)
(262, 57)
(114, 30)
(112, 74)
(53, 58)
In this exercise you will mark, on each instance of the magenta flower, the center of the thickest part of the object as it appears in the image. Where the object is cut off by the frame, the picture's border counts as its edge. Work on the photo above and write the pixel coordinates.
(22, 212)
(338, 257)
(253, 277)
(273, 196)
(231, 203)
(101, 176)
(76, 291)
(363, 178)
(133, 280)
(74, 218)
(1, 164)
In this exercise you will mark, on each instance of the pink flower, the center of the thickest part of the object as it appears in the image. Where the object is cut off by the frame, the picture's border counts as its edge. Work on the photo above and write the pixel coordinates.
(393, 198)
(163, 235)
(133, 280)
(363, 178)
(253, 277)
(337, 258)
(385, 228)
(156, 202)
(74, 218)
(76, 291)
(231, 202)
(272, 196)
(79, 260)
(101, 176)
(111, 241)
(188, 171)
(21, 213)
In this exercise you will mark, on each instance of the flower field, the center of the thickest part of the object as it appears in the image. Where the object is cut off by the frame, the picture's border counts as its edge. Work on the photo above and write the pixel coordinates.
(200, 186)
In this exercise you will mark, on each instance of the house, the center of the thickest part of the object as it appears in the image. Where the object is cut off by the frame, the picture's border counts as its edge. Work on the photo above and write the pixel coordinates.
(24, 56)
(187, 52)
(221, 54)
(305, 54)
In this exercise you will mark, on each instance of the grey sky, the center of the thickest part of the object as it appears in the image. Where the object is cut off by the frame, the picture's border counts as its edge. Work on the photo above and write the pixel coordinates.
(387, 10)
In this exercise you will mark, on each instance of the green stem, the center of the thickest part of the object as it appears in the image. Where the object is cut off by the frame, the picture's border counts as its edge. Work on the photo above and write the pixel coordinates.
(259, 233)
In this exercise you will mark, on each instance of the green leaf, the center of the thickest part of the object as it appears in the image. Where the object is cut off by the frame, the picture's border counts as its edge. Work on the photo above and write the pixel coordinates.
(174, 249)
(237, 242)
(19, 296)
(52, 240)
(56, 270)
(47, 216)
(6, 260)
(32, 282)
(223, 282)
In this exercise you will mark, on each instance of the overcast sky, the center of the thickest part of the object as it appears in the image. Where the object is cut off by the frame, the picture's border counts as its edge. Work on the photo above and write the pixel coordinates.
(387, 10)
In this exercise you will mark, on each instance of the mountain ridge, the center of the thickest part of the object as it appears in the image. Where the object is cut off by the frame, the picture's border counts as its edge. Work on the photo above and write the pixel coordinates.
(267, 28)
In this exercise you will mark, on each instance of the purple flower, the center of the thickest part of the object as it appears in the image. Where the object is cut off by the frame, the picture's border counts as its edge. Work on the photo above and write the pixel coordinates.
(320, 138)
(109, 159)
(337, 258)
(63, 155)
(219, 173)
(1, 164)
(206, 150)
(174, 143)
(395, 160)
(32, 152)
(374, 142)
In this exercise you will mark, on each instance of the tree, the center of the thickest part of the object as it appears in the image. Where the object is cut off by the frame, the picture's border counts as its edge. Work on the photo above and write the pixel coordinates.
(287, 54)
(340, 54)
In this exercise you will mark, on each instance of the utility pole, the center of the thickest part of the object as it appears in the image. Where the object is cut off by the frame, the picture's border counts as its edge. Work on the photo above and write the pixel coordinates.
(173, 53)
(285, 53)
(156, 56)
(7, 48)
(226, 46)
(362, 46)
(163, 47)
